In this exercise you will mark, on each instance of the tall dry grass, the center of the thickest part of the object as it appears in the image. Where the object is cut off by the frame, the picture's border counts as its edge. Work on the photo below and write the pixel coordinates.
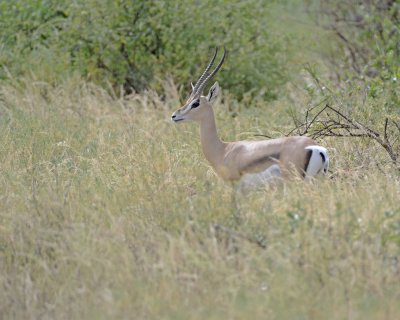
(107, 209)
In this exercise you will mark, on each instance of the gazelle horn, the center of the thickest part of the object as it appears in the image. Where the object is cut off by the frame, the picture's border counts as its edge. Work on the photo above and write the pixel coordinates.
(200, 85)
(204, 75)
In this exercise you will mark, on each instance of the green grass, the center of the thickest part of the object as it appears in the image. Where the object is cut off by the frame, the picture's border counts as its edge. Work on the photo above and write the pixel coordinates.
(106, 212)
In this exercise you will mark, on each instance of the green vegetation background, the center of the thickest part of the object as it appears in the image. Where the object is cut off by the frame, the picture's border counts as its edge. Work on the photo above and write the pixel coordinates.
(107, 209)
(138, 43)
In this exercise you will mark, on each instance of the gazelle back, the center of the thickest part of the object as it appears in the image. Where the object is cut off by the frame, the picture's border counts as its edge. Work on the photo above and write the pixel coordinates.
(252, 162)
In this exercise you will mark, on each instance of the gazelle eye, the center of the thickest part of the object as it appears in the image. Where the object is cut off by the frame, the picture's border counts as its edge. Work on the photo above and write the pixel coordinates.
(195, 104)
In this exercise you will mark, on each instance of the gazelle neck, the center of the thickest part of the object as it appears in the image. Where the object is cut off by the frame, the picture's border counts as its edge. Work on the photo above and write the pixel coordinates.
(213, 147)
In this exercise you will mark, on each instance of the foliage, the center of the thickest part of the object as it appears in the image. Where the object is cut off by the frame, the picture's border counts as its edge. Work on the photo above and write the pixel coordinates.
(136, 43)
(368, 32)
(350, 112)
(108, 210)
(357, 95)
(369, 37)
(103, 221)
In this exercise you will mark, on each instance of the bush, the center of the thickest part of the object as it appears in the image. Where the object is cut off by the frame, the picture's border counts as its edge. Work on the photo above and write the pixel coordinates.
(359, 96)
(369, 44)
(135, 43)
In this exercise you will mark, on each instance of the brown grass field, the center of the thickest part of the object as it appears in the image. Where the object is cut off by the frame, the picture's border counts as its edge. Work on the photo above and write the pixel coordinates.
(107, 212)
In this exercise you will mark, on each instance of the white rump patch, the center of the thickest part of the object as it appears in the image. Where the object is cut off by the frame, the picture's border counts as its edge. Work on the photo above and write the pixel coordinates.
(266, 177)
(319, 161)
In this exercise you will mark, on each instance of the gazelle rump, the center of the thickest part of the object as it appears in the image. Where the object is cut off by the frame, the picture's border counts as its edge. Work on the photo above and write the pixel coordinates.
(251, 162)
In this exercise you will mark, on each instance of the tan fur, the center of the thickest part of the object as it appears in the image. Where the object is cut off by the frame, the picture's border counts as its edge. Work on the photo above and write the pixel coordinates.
(231, 160)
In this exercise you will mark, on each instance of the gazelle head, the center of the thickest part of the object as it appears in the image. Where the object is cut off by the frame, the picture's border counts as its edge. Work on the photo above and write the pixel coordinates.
(197, 106)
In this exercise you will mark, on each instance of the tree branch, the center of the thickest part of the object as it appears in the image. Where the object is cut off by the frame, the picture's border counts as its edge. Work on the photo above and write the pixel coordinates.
(344, 126)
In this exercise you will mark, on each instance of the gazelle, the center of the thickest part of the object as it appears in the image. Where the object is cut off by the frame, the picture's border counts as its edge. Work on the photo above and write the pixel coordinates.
(251, 162)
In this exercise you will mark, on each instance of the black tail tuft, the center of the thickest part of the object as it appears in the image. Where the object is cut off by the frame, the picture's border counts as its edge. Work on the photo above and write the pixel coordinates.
(323, 157)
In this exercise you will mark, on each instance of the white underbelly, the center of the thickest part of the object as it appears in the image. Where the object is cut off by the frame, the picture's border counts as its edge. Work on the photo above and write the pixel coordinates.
(266, 177)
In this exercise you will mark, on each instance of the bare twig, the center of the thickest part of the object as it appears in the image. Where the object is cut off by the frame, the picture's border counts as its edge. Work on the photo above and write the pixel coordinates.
(299, 124)
(338, 124)
(236, 234)
(263, 135)
(397, 125)
(316, 116)
(297, 128)
(385, 135)
(349, 46)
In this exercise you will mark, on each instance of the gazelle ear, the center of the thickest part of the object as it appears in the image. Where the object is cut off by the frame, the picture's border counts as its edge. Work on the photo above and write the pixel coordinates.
(213, 93)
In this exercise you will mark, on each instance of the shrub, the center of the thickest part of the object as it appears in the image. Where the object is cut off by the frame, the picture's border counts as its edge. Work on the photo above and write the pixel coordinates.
(135, 43)
(368, 35)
